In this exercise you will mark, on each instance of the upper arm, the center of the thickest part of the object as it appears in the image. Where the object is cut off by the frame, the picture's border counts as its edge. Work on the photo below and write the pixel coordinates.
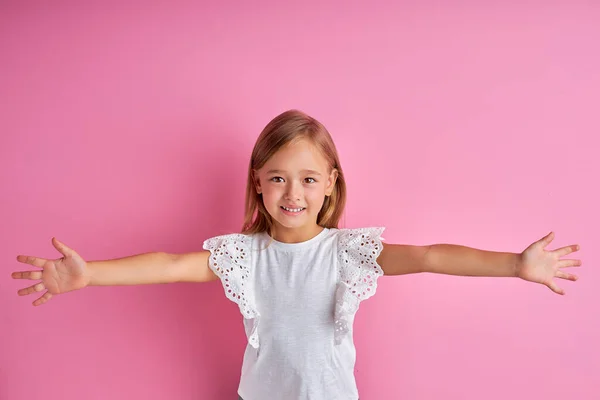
(193, 267)
(399, 259)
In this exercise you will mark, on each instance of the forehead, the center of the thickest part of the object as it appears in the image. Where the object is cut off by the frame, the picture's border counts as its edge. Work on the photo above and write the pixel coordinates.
(301, 155)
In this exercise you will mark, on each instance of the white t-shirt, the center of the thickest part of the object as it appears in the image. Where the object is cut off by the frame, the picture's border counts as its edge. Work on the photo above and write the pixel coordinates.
(298, 301)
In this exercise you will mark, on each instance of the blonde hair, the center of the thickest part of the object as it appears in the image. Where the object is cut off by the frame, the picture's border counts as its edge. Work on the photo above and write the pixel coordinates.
(287, 128)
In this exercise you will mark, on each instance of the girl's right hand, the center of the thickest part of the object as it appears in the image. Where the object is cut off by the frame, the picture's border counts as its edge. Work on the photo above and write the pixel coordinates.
(62, 275)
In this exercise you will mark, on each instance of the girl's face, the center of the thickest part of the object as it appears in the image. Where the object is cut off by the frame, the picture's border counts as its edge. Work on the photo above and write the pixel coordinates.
(294, 183)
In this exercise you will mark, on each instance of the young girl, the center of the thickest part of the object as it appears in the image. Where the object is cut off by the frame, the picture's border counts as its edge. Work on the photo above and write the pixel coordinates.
(297, 278)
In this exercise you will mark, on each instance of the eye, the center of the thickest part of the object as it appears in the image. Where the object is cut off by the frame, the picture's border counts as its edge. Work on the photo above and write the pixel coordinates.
(274, 179)
(311, 180)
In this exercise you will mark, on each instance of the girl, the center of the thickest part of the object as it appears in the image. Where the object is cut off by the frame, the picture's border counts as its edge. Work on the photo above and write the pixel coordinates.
(297, 278)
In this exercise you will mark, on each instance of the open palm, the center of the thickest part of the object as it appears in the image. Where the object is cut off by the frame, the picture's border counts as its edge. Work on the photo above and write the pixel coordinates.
(58, 276)
(542, 266)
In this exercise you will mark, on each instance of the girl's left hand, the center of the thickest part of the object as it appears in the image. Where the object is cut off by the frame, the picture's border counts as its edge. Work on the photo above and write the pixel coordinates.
(541, 266)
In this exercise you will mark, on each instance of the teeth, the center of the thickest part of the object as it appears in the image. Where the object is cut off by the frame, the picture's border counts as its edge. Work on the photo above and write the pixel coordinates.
(293, 209)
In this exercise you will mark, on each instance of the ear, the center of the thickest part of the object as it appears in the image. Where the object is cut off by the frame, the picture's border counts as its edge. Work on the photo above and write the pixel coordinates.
(256, 181)
(331, 182)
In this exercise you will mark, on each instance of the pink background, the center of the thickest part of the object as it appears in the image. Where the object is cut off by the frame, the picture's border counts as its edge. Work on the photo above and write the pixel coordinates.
(127, 128)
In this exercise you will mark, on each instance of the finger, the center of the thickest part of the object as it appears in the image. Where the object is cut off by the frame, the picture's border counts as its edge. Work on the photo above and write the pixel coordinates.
(38, 287)
(35, 261)
(569, 263)
(35, 275)
(546, 240)
(61, 247)
(42, 300)
(564, 275)
(554, 287)
(563, 251)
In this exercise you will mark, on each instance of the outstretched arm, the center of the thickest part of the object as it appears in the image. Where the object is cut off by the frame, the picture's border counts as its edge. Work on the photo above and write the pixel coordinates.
(72, 272)
(534, 264)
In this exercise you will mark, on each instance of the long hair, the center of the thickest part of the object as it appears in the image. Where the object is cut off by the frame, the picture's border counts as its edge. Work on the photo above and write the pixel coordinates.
(287, 128)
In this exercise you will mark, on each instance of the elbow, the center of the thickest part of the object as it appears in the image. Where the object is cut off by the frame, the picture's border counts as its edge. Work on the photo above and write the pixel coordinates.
(428, 259)
(174, 267)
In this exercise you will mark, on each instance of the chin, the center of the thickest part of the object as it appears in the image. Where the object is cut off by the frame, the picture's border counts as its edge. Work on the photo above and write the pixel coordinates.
(286, 224)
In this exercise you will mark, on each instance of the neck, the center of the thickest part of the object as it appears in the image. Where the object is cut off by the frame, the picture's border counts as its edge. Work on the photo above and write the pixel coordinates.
(295, 235)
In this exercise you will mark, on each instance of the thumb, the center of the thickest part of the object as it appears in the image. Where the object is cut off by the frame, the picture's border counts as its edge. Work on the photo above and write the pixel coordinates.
(554, 287)
(62, 248)
(546, 240)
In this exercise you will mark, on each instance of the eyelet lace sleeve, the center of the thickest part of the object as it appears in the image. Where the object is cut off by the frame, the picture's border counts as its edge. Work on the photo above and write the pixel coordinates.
(358, 271)
(230, 261)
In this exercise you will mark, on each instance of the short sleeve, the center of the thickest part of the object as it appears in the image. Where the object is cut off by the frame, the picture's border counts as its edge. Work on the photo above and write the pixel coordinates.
(358, 271)
(230, 260)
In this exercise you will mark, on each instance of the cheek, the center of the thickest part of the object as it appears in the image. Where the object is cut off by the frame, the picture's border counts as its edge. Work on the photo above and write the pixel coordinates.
(315, 194)
(270, 196)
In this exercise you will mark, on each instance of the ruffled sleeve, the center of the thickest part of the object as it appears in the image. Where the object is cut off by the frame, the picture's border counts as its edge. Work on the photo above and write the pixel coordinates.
(230, 260)
(357, 251)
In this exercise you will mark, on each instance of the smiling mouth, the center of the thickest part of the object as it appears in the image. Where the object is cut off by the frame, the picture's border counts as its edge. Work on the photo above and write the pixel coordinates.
(293, 209)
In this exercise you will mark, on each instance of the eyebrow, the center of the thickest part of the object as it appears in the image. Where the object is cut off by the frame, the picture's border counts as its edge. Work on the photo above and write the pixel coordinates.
(278, 171)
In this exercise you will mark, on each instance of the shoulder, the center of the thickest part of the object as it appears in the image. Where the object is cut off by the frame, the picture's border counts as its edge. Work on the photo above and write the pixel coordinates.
(359, 247)
(359, 236)
(230, 260)
(235, 240)
(358, 272)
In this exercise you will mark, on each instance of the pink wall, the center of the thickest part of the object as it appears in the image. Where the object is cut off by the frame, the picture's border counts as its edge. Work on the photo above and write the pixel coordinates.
(127, 127)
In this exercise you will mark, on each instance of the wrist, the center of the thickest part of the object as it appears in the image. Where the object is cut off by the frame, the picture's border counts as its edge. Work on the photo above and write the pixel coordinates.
(517, 263)
(88, 276)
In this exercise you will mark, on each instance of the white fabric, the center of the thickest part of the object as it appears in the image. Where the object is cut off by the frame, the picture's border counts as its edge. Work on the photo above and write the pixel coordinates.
(298, 301)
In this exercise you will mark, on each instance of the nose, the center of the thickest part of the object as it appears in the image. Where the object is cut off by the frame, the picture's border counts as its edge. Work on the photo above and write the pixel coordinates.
(293, 191)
